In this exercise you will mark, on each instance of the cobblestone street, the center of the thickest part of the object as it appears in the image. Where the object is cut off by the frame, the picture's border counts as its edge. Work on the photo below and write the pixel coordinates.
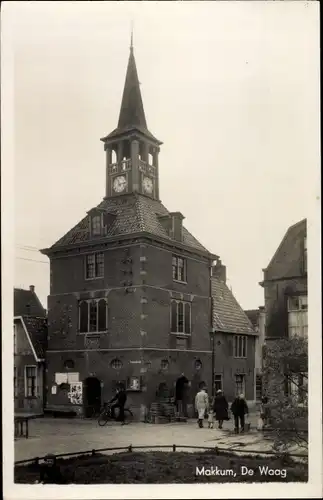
(49, 435)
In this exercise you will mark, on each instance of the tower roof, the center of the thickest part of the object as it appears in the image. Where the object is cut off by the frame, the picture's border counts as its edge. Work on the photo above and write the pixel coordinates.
(132, 114)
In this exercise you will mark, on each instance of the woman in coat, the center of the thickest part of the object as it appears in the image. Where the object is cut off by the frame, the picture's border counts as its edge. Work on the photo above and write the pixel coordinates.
(220, 407)
(201, 404)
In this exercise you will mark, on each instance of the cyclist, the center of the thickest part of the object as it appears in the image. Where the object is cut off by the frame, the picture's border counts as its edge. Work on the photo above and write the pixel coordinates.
(119, 401)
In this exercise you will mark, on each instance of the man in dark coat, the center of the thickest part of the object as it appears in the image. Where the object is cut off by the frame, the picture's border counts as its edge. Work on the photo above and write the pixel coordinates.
(220, 408)
(239, 409)
(119, 401)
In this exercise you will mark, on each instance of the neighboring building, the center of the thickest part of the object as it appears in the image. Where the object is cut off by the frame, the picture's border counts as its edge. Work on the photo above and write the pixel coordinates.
(285, 287)
(235, 341)
(130, 287)
(257, 318)
(30, 339)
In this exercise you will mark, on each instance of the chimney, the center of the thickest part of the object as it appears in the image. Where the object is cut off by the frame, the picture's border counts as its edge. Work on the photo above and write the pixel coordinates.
(32, 288)
(219, 271)
(177, 225)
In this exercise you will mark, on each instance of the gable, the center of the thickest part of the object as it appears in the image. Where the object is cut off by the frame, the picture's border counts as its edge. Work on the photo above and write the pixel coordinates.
(228, 315)
(31, 336)
(129, 214)
(26, 302)
(288, 258)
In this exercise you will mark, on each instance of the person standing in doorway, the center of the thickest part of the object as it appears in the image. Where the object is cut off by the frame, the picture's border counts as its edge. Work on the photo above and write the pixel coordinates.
(201, 404)
(239, 409)
(220, 408)
(180, 395)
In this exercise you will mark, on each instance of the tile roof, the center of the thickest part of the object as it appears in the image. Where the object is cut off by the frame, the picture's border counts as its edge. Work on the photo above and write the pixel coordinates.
(26, 302)
(37, 329)
(228, 316)
(253, 315)
(133, 213)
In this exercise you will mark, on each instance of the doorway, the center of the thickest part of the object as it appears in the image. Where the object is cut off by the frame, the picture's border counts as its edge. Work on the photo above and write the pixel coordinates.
(91, 396)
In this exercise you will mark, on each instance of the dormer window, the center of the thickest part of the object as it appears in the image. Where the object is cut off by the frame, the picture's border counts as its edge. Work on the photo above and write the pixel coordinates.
(96, 225)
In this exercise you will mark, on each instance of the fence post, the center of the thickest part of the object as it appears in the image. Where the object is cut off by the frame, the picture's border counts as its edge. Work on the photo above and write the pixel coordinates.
(130, 448)
(93, 453)
(36, 460)
(174, 447)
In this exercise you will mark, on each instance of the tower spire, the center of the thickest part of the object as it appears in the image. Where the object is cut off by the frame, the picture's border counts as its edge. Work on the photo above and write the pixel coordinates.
(131, 38)
(132, 109)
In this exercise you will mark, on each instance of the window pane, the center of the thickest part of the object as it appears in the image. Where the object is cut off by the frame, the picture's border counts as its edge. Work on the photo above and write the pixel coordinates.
(174, 316)
(236, 346)
(96, 224)
(99, 268)
(187, 318)
(102, 305)
(244, 342)
(175, 273)
(84, 317)
(180, 269)
(293, 303)
(90, 266)
(180, 317)
(93, 316)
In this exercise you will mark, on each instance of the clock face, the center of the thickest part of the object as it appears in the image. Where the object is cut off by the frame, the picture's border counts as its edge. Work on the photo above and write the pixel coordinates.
(147, 185)
(119, 184)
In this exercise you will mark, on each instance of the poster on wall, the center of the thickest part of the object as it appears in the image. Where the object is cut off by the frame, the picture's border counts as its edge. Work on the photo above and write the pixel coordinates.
(60, 378)
(75, 394)
(54, 389)
(72, 377)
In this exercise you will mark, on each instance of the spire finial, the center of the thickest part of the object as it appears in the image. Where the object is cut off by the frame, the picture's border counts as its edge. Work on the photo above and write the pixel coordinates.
(131, 39)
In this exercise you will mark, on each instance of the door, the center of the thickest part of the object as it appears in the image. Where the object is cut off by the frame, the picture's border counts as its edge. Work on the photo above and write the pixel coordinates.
(92, 396)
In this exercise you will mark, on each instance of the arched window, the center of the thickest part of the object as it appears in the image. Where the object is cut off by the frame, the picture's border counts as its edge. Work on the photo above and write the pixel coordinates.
(84, 317)
(150, 159)
(113, 156)
(102, 315)
(93, 316)
(187, 309)
(174, 316)
(180, 317)
(116, 364)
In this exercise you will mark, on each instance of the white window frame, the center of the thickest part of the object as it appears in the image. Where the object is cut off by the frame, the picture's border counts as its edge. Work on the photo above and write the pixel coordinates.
(243, 376)
(219, 375)
(300, 309)
(95, 255)
(96, 225)
(36, 381)
(176, 258)
(238, 342)
(302, 303)
(177, 333)
(88, 302)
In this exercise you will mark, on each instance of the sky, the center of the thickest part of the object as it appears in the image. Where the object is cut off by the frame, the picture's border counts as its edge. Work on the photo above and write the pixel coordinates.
(232, 90)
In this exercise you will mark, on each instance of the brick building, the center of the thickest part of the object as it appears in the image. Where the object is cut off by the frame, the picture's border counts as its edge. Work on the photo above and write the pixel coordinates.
(130, 286)
(285, 288)
(30, 338)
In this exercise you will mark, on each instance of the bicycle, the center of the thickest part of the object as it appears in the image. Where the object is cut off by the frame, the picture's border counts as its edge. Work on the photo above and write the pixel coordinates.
(106, 415)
